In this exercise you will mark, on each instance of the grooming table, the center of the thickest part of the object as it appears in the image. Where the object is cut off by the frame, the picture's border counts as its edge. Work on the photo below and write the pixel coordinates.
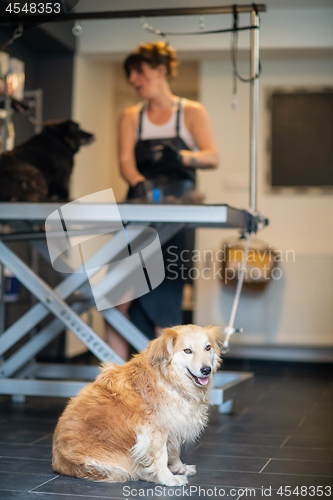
(19, 375)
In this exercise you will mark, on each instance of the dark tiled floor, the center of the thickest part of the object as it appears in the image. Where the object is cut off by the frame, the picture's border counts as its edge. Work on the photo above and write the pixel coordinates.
(279, 439)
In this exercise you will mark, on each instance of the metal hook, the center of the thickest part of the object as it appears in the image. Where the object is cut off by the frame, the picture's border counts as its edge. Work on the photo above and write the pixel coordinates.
(77, 29)
(202, 22)
(147, 27)
(18, 32)
(144, 24)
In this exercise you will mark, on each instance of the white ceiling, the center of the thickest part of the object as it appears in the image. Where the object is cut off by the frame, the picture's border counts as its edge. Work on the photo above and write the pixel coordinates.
(110, 5)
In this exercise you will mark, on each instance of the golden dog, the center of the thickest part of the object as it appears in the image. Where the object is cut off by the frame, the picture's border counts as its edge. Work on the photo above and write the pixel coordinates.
(132, 421)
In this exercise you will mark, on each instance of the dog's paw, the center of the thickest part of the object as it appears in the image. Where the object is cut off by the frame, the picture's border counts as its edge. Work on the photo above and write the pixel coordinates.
(186, 470)
(173, 481)
(190, 470)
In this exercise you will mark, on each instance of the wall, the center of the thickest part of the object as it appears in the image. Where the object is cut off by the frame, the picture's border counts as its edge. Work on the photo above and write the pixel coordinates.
(297, 308)
(296, 50)
(93, 108)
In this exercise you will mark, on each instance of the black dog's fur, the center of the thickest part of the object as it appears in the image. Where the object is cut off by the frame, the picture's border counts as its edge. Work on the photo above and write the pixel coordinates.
(39, 169)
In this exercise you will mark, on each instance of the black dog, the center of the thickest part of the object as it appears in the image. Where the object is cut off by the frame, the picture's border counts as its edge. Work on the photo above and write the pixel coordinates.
(39, 169)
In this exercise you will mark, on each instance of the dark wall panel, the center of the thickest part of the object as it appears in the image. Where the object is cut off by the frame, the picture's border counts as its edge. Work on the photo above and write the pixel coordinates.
(48, 56)
(302, 139)
(55, 77)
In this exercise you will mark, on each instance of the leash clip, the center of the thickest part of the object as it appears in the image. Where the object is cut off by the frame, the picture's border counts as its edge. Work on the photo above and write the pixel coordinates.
(228, 331)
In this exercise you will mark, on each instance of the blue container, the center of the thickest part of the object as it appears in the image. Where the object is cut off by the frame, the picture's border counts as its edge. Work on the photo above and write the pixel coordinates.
(12, 286)
(156, 195)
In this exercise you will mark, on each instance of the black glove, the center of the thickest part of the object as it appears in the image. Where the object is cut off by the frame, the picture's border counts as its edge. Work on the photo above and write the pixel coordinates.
(141, 189)
(166, 151)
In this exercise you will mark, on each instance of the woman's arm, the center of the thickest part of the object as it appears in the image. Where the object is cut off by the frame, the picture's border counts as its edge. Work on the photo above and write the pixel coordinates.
(198, 123)
(126, 145)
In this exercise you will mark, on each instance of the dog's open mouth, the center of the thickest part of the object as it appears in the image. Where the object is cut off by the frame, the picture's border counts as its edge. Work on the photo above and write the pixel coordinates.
(201, 381)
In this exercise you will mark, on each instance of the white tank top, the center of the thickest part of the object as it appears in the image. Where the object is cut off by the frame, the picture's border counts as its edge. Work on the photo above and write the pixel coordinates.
(151, 131)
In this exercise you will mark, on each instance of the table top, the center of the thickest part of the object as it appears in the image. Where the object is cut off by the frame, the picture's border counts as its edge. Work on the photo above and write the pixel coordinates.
(84, 213)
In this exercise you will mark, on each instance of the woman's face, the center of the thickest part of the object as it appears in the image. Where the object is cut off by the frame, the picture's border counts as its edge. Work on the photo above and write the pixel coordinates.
(147, 82)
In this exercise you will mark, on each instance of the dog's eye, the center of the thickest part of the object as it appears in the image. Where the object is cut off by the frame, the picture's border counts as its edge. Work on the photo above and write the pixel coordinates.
(188, 351)
(208, 347)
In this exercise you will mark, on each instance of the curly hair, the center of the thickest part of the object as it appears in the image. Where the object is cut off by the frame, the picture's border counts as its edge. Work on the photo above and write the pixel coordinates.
(154, 54)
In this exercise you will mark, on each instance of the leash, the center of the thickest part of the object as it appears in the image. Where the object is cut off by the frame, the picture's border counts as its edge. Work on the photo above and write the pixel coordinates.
(230, 330)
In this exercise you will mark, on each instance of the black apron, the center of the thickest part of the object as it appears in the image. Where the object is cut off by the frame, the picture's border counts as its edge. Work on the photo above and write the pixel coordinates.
(163, 305)
(151, 161)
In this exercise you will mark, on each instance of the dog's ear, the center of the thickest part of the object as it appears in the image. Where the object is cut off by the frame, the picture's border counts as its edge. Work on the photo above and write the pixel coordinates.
(161, 350)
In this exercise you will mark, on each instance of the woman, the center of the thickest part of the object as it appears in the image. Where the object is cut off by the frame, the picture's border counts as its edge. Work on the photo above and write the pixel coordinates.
(162, 140)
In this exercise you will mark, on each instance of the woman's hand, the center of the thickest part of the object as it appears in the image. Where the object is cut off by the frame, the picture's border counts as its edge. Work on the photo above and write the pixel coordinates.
(170, 152)
(199, 159)
(142, 189)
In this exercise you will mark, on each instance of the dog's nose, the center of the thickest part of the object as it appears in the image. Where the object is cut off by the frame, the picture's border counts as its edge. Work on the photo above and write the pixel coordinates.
(206, 370)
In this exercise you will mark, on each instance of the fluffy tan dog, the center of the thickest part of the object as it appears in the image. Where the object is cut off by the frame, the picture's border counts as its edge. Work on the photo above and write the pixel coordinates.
(132, 421)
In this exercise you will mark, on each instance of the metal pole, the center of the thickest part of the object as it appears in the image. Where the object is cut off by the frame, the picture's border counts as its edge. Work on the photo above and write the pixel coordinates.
(254, 108)
(26, 20)
(2, 298)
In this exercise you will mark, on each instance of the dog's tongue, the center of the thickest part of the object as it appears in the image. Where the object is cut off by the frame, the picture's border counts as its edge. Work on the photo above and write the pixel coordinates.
(204, 380)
